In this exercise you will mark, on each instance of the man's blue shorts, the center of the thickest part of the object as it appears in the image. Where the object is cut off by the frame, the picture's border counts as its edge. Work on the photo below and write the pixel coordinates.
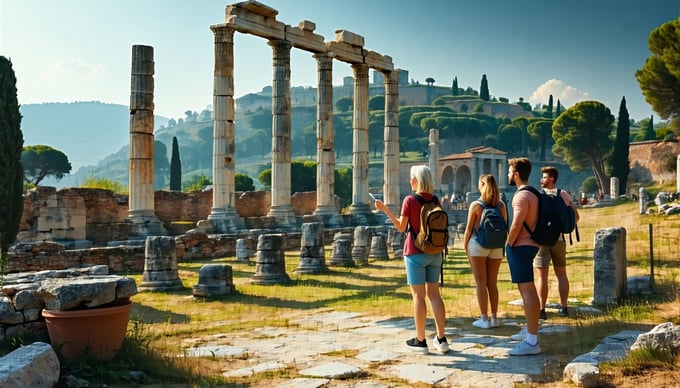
(520, 260)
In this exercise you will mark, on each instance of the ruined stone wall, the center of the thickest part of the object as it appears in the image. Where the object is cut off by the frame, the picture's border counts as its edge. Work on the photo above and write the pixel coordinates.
(648, 160)
(99, 215)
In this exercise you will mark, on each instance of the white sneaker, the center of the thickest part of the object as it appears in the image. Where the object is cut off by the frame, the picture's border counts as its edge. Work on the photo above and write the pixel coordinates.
(482, 323)
(441, 346)
(521, 336)
(494, 322)
(524, 349)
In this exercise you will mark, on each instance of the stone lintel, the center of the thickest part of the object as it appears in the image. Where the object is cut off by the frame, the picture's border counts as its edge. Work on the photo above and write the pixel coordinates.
(256, 25)
(353, 54)
(344, 36)
(251, 6)
(306, 39)
(379, 62)
(307, 25)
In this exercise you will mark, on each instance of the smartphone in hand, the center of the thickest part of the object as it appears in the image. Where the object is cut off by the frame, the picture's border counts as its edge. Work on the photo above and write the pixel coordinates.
(372, 197)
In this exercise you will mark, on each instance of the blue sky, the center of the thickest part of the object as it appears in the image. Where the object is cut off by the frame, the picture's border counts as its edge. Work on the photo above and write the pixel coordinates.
(79, 50)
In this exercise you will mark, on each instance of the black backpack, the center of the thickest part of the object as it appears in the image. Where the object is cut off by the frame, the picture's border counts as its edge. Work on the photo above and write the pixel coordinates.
(493, 230)
(568, 218)
(433, 235)
(549, 225)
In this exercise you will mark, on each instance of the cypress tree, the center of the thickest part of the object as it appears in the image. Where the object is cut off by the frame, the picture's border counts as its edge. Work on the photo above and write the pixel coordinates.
(650, 133)
(620, 163)
(175, 167)
(11, 170)
(558, 109)
(454, 87)
(484, 89)
(550, 105)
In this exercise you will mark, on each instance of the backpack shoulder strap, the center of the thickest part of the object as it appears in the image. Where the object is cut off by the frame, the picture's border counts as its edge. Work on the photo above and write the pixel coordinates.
(538, 195)
(481, 203)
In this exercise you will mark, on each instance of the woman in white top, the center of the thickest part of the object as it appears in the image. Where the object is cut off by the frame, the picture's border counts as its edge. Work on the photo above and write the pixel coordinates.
(484, 262)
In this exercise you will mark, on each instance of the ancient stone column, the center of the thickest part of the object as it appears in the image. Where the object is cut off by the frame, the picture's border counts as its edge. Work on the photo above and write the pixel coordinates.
(396, 241)
(270, 266)
(360, 142)
(141, 212)
(642, 200)
(391, 167)
(474, 176)
(312, 249)
(281, 208)
(378, 248)
(502, 171)
(325, 150)
(223, 217)
(242, 250)
(614, 188)
(360, 247)
(214, 280)
(433, 158)
(341, 254)
(160, 264)
(609, 267)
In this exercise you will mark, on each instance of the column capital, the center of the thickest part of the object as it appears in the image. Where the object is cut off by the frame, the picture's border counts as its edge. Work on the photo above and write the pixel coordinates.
(223, 33)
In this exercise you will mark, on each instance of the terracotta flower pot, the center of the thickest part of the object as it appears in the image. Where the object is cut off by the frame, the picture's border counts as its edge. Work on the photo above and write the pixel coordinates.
(99, 331)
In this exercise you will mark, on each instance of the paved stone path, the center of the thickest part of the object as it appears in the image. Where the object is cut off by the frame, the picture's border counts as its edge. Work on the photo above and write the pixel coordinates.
(329, 347)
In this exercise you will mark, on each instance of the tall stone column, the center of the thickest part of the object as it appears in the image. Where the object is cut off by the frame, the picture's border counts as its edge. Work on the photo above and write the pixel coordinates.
(325, 150)
(223, 217)
(677, 174)
(141, 213)
(360, 141)
(433, 158)
(502, 176)
(474, 175)
(281, 208)
(391, 168)
(614, 188)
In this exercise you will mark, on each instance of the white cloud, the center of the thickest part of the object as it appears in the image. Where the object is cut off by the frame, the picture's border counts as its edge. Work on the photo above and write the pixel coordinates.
(75, 79)
(568, 95)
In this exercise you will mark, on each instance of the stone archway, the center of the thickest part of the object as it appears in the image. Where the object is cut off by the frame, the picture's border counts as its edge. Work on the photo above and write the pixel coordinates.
(463, 180)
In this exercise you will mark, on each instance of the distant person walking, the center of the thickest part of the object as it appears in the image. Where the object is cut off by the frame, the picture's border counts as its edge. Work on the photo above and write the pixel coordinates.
(422, 270)
(521, 250)
(485, 262)
(557, 253)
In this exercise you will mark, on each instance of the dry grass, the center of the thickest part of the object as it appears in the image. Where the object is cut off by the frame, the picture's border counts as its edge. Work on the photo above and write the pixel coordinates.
(379, 290)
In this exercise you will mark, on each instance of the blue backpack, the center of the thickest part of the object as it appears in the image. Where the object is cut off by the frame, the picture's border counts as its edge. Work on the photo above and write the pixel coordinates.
(493, 230)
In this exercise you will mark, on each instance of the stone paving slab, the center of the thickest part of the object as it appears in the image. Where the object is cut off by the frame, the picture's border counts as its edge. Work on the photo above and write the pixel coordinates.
(329, 347)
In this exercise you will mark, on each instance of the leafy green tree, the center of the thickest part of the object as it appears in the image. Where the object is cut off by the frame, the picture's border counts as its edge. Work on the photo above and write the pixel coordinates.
(522, 123)
(11, 169)
(589, 185)
(542, 130)
(510, 138)
(265, 177)
(197, 183)
(377, 102)
(582, 137)
(659, 78)
(41, 161)
(343, 186)
(344, 104)
(454, 87)
(484, 89)
(620, 165)
(175, 167)
(243, 182)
